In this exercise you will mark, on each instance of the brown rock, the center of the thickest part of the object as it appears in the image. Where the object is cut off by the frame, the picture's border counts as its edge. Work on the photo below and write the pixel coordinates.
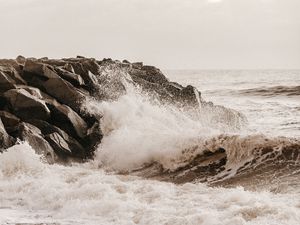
(25, 105)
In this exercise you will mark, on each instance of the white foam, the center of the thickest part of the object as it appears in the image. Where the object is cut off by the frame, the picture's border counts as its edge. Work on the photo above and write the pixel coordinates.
(81, 194)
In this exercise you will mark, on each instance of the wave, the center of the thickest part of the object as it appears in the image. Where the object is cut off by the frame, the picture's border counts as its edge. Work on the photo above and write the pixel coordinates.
(163, 142)
(273, 91)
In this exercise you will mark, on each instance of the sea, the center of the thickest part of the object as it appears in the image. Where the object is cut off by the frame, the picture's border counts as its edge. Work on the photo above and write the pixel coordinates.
(263, 189)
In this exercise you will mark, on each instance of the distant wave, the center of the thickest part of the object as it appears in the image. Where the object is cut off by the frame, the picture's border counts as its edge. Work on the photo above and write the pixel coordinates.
(273, 91)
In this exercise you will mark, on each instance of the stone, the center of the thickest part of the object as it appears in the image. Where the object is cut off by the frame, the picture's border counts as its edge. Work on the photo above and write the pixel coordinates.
(6, 141)
(46, 129)
(68, 120)
(154, 75)
(51, 83)
(94, 136)
(25, 105)
(32, 135)
(59, 145)
(137, 65)
(73, 78)
(9, 120)
(6, 82)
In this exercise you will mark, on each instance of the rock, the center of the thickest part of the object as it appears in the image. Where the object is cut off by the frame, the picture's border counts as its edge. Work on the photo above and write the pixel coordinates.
(137, 65)
(12, 72)
(68, 120)
(126, 61)
(154, 75)
(33, 136)
(25, 105)
(6, 141)
(45, 78)
(9, 120)
(34, 68)
(73, 78)
(21, 59)
(94, 136)
(47, 129)
(68, 67)
(190, 96)
(6, 82)
(59, 145)
(87, 70)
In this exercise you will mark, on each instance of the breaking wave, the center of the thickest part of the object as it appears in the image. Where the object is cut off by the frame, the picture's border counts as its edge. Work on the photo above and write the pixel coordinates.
(145, 138)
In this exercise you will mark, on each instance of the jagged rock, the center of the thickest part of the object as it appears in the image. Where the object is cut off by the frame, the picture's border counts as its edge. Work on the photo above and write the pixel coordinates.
(94, 135)
(87, 71)
(153, 75)
(190, 95)
(73, 78)
(44, 77)
(137, 65)
(6, 82)
(33, 136)
(59, 145)
(47, 129)
(67, 119)
(9, 120)
(126, 61)
(12, 72)
(24, 105)
(6, 141)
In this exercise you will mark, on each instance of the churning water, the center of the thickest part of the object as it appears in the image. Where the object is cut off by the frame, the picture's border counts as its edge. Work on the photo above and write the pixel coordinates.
(138, 133)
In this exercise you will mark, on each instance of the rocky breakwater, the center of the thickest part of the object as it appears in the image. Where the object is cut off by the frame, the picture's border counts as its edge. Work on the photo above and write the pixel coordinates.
(42, 101)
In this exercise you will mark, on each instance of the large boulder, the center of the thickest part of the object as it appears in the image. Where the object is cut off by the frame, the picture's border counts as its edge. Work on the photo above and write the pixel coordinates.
(26, 105)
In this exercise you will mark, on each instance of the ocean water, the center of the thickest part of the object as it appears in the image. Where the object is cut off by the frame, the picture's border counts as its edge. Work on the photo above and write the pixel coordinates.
(138, 133)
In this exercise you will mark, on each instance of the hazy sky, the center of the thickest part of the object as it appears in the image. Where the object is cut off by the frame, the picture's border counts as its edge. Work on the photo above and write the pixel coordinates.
(178, 34)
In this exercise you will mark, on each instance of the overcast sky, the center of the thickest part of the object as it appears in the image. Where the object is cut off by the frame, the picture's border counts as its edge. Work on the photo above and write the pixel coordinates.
(171, 34)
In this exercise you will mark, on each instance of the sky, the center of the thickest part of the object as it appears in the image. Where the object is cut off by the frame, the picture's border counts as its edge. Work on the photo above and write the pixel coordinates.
(170, 34)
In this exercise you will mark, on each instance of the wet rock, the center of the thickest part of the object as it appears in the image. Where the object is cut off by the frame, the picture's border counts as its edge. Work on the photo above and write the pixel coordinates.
(94, 136)
(73, 78)
(6, 141)
(9, 120)
(33, 136)
(154, 75)
(47, 129)
(44, 77)
(59, 145)
(24, 105)
(67, 119)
